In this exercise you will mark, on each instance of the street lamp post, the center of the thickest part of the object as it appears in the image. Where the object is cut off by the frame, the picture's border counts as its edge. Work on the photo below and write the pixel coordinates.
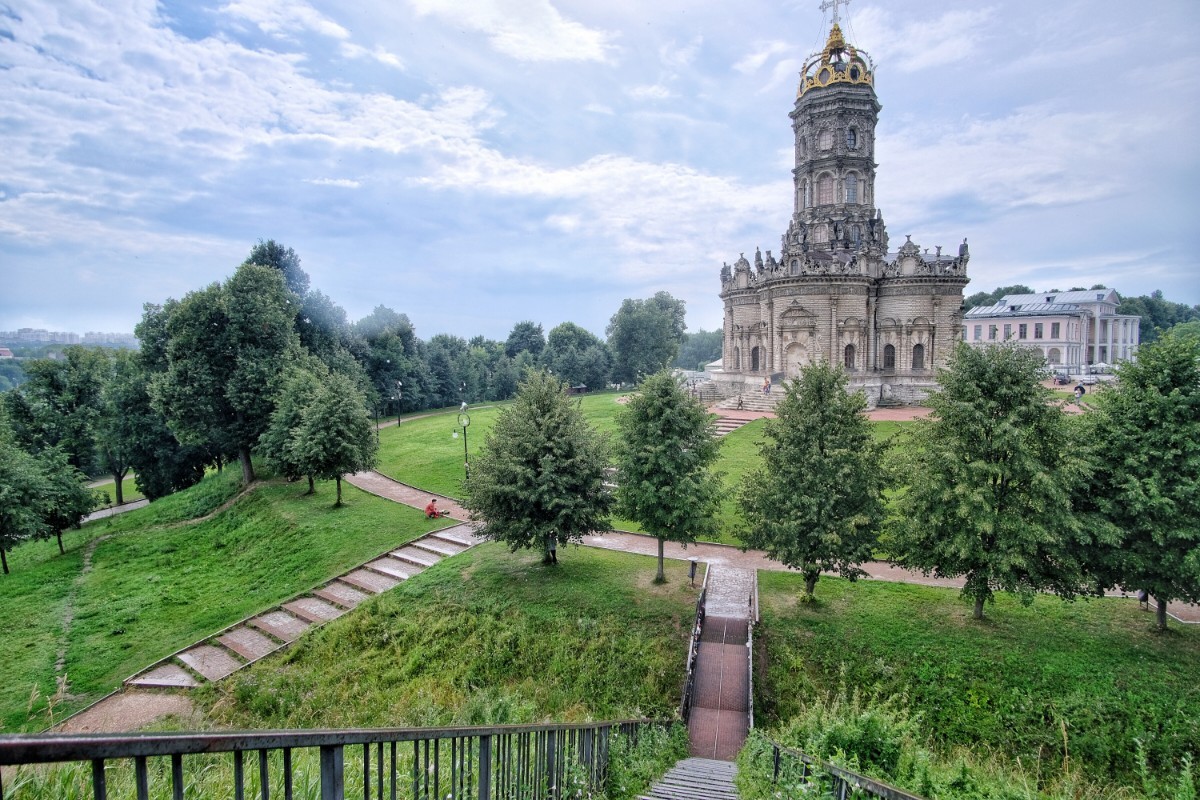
(464, 419)
(399, 397)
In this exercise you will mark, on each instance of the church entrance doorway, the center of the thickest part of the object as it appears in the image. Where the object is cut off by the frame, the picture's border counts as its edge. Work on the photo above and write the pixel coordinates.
(756, 360)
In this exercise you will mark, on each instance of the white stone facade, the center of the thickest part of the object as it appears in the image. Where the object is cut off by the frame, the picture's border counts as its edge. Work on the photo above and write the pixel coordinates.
(1073, 330)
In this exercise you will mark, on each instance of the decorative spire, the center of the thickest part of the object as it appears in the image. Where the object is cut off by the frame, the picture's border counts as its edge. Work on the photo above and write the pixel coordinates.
(828, 4)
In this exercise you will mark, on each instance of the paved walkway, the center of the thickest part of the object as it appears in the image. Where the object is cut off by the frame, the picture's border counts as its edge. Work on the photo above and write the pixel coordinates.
(696, 779)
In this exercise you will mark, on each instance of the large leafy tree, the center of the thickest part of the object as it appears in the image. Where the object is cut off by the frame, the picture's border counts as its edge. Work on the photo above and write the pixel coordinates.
(990, 477)
(525, 335)
(21, 506)
(540, 476)
(664, 458)
(280, 444)
(816, 503)
(644, 336)
(335, 436)
(225, 352)
(64, 497)
(1157, 314)
(284, 260)
(1145, 434)
(115, 428)
(577, 356)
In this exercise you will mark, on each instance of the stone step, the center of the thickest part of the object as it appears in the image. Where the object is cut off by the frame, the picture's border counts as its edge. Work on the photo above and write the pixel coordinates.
(413, 555)
(248, 643)
(393, 568)
(459, 535)
(280, 624)
(369, 581)
(341, 593)
(436, 547)
(167, 676)
(209, 661)
(313, 609)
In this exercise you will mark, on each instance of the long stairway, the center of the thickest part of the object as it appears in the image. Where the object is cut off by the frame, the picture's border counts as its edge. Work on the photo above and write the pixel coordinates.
(696, 779)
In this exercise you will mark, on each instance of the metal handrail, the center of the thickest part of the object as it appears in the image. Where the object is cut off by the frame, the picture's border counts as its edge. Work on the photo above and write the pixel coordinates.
(689, 681)
(843, 779)
(458, 762)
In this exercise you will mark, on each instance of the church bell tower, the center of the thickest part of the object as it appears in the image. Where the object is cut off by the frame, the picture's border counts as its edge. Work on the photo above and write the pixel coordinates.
(833, 121)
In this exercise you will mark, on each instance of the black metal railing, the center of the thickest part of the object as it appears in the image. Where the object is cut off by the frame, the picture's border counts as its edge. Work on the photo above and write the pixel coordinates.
(790, 765)
(689, 682)
(511, 762)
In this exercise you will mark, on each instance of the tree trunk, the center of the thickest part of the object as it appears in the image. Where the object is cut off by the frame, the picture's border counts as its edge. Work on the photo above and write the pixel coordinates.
(660, 577)
(1162, 613)
(978, 607)
(118, 479)
(338, 480)
(247, 467)
(4, 560)
(61, 551)
(312, 489)
(810, 583)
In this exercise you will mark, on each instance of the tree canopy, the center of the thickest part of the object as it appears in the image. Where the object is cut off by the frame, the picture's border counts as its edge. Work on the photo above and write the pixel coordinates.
(816, 503)
(989, 481)
(664, 461)
(1144, 434)
(525, 336)
(540, 476)
(644, 336)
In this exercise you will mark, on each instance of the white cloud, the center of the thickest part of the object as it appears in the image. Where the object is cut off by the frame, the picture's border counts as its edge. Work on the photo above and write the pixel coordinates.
(527, 30)
(652, 92)
(680, 56)
(279, 17)
(920, 43)
(346, 183)
(379, 54)
(763, 51)
(598, 108)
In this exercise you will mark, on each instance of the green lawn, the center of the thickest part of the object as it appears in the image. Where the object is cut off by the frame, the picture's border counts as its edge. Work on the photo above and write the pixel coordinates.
(486, 637)
(161, 578)
(129, 491)
(1015, 684)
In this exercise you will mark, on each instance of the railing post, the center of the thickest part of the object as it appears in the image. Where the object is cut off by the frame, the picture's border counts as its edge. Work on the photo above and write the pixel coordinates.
(485, 767)
(775, 763)
(99, 785)
(333, 786)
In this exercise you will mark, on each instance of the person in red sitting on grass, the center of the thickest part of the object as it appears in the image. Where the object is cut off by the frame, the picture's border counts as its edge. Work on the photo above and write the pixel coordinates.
(431, 510)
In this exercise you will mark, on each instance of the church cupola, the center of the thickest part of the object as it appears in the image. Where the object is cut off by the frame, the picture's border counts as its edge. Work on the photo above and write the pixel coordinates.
(834, 122)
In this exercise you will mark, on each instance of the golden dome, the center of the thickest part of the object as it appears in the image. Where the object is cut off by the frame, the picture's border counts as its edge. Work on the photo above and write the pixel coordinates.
(837, 63)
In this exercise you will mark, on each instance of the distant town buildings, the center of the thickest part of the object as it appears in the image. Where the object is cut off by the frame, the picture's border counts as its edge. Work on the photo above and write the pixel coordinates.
(37, 336)
(1071, 329)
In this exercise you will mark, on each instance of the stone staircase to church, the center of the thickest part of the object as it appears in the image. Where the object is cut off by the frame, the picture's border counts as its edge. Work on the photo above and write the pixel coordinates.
(753, 400)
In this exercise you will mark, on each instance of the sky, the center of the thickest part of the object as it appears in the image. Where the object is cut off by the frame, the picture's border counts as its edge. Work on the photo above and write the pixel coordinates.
(475, 163)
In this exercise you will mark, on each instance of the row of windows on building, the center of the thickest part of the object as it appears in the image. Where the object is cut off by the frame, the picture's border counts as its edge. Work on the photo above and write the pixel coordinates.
(1022, 331)
(825, 141)
(889, 357)
(825, 190)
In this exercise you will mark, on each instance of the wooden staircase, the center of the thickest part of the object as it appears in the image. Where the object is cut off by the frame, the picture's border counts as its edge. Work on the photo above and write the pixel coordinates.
(696, 779)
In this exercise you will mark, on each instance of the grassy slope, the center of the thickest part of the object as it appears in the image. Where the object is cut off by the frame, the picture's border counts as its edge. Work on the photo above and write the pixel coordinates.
(161, 581)
(488, 637)
(1009, 684)
(129, 490)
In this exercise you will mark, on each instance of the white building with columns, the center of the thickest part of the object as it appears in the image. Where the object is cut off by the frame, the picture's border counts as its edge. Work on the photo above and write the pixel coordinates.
(1071, 329)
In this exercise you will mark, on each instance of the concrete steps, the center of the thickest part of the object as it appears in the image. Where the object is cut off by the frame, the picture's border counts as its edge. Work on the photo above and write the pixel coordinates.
(727, 425)
(258, 636)
(696, 779)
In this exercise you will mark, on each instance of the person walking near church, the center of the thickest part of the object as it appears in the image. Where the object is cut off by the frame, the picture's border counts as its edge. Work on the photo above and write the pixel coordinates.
(766, 386)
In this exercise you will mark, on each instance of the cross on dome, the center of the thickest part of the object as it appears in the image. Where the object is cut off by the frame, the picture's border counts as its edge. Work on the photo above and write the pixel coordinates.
(828, 4)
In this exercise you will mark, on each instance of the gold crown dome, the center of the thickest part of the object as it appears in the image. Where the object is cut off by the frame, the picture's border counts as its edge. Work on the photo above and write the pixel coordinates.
(837, 63)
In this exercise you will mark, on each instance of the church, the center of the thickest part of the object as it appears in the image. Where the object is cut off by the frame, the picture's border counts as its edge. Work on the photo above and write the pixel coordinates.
(835, 292)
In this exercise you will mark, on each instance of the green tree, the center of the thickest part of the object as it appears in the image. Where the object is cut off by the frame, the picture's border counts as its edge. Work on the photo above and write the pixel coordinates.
(225, 351)
(664, 461)
(64, 497)
(1145, 432)
(21, 506)
(526, 335)
(700, 348)
(644, 336)
(577, 356)
(1157, 314)
(993, 297)
(115, 428)
(816, 503)
(282, 259)
(990, 476)
(335, 436)
(280, 443)
(539, 479)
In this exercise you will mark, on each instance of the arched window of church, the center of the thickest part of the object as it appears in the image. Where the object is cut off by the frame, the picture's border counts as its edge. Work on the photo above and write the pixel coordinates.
(804, 194)
(821, 234)
(850, 357)
(851, 188)
(803, 145)
(856, 234)
(795, 266)
(851, 138)
(825, 140)
(889, 357)
(918, 356)
(825, 190)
